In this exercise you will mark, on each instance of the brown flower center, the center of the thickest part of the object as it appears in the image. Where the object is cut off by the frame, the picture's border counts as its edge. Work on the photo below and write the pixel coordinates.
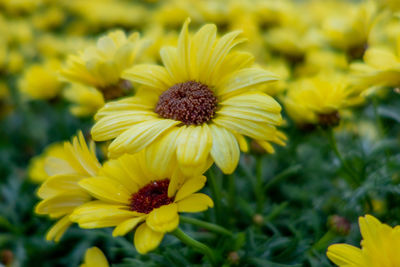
(115, 91)
(329, 120)
(190, 102)
(151, 196)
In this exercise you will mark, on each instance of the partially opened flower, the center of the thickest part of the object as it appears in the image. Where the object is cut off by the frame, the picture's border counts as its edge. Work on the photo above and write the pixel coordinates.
(60, 193)
(195, 109)
(94, 257)
(320, 99)
(130, 195)
(380, 246)
(101, 66)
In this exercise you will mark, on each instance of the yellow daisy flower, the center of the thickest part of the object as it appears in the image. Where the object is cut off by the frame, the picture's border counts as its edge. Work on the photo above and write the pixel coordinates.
(101, 66)
(129, 194)
(94, 257)
(36, 169)
(380, 246)
(196, 108)
(60, 193)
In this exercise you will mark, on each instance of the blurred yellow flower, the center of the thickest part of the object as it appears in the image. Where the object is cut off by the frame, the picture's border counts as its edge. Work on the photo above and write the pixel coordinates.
(101, 66)
(36, 169)
(60, 193)
(94, 257)
(131, 195)
(196, 108)
(85, 100)
(40, 81)
(380, 246)
(320, 98)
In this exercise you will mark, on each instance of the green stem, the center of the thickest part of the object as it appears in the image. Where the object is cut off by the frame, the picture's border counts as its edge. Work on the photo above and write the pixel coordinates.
(206, 225)
(324, 241)
(216, 194)
(259, 184)
(351, 175)
(196, 245)
(231, 193)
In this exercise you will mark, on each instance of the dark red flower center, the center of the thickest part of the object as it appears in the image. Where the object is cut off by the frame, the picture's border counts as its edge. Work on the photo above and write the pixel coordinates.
(151, 196)
(190, 102)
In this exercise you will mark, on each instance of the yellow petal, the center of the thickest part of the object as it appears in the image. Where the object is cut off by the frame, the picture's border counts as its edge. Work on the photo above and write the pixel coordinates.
(139, 136)
(97, 214)
(161, 155)
(153, 76)
(127, 226)
(106, 189)
(242, 142)
(58, 229)
(94, 257)
(62, 204)
(220, 51)
(194, 145)
(202, 47)
(146, 239)
(195, 203)
(241, 80)
(59, 183)
(190, 186)
(253, 129)
(163, 219)
(225, 149)
(184, 51)
(381, 59)
(170, 60)
(345, 255)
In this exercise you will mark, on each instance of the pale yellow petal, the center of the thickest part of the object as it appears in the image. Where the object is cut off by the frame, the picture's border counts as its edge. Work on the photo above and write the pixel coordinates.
(139, 136)
(241, 80)
(195, 203)
(194, 145)
(62, 204)
(225, 149)
(154, 76)
(146, 239)
(161, 155)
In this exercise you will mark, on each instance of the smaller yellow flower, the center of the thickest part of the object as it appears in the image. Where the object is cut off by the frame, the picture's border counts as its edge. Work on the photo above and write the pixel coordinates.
(36, 169)
(101, 66)
(131, 195)
(60, 193)
(380, 246)
(86, 100)
(320, 98)
(94, 257)
(40, 81)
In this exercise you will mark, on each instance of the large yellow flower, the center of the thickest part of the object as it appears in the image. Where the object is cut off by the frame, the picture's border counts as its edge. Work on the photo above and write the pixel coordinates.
(130, 195)
(101, 66)
(380, 246)
(60, 193)
(94, 257)
(196, 108)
